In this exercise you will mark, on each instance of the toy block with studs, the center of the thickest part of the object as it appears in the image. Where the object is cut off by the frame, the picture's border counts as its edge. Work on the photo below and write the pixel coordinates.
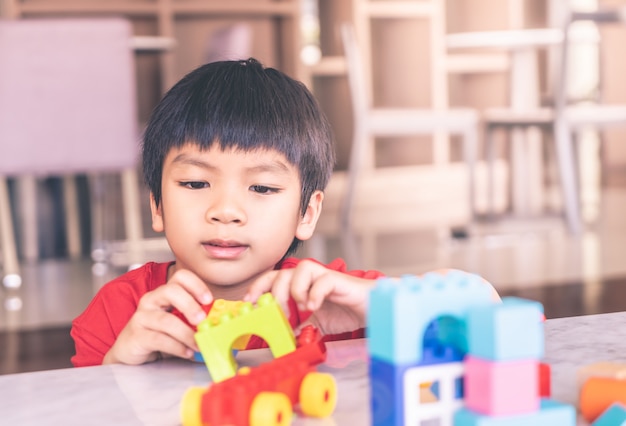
(510, 330)
(401, 310)
(216, 337)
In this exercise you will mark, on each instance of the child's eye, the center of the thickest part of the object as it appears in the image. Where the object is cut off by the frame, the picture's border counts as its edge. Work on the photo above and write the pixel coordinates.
(261, 189)
(194, 184)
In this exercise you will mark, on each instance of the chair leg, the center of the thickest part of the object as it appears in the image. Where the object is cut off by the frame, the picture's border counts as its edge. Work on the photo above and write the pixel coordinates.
(96, 192)
(12, 278)
(72, 220)
(132, 217)
(132, 206)
(490, 153)
(567, 173)
(27, 191)
(471, 140)
(346, 209)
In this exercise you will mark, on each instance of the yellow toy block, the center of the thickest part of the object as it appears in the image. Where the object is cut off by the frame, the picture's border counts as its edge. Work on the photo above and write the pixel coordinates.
(216, 337)
(221, 307)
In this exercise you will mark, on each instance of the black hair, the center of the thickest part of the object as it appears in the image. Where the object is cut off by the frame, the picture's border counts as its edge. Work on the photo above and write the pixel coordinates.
(242, 105)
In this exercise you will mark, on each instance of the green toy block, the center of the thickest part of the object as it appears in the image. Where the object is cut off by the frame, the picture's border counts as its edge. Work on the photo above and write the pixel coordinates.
(216, 337)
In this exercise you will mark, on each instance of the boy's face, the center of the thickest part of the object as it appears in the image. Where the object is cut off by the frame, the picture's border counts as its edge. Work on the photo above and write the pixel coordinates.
(231, 215)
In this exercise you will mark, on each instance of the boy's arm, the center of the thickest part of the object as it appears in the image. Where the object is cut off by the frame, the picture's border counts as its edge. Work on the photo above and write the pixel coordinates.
(338, 300)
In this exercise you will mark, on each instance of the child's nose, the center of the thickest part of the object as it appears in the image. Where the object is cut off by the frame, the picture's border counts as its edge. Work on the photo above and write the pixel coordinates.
(226, 208)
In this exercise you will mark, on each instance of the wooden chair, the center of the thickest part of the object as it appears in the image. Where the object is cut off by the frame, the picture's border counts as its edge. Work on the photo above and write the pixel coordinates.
(67, 107)
(563, 119)
(371, 121)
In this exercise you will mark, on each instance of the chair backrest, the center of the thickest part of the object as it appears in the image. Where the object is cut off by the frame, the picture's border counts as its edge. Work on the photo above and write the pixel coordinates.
(612, 15)
(232, 42)
(67, 96)
(357, 80)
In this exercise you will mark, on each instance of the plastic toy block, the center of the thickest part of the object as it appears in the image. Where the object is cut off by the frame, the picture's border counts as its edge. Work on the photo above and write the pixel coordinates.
(263, 394)
(501, 388)
(416, 409)
(266, 320)
(545, 380)
(222, 307)
(615, 415)
(386, 383)
(507, 331)
(599, 393)
(551, 413)
(601, 369)
(401, 310)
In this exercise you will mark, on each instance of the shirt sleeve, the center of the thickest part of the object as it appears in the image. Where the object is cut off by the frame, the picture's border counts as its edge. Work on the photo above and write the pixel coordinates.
(97, 328)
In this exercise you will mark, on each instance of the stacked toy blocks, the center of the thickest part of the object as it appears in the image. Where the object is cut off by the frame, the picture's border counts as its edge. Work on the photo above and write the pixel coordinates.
(440, 342)
(416, 343)
(505, 345)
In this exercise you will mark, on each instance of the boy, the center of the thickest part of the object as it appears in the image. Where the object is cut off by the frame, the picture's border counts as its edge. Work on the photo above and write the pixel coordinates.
(236, 157)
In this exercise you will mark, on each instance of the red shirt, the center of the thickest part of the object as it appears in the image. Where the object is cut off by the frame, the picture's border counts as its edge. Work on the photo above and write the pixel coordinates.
(96, 329)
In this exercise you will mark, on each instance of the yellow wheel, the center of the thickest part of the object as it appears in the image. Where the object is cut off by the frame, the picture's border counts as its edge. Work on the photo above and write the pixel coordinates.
(318, 395)
(190, 406)
(271, 409)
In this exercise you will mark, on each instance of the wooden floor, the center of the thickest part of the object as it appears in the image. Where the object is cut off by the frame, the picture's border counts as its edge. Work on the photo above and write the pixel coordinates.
(34, 350)
(51, 348)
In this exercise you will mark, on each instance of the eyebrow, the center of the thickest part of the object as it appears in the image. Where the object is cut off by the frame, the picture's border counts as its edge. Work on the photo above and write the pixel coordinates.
(272, 166)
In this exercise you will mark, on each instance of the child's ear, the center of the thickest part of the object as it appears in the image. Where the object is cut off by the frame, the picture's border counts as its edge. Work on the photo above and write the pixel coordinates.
(307, 223)
(157, 214)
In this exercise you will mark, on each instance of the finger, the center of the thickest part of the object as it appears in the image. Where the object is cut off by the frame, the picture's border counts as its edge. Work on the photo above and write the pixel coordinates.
(312, 320)
(282, 285)
(276, 282)
(261, 285)
(304, 276)
(193, 284)
(160, 342)
(319, 291)
(170, 325)
(176, 294)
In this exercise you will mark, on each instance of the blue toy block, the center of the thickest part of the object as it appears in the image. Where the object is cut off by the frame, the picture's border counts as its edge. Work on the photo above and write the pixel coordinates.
(387, 381)
(386, 385)
(512, 330)
(401, 310)
(615, 415)
(551, 413)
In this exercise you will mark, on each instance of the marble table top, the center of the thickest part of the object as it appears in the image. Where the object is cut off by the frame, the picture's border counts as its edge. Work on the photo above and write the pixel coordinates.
(150, 394)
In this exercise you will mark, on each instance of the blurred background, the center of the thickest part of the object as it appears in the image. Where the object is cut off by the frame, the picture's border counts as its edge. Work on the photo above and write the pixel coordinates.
(483, 135)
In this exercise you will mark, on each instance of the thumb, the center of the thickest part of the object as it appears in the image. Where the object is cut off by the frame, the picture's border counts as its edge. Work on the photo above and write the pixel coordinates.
(312, 320)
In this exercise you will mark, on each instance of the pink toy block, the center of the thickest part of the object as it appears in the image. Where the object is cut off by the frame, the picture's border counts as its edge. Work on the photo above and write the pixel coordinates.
(501, 388)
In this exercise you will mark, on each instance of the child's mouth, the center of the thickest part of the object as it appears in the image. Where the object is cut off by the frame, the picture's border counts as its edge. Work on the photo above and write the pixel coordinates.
(224, 249)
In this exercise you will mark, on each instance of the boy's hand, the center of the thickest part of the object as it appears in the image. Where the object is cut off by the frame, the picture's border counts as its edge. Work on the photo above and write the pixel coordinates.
(153, 330)
(338, 301)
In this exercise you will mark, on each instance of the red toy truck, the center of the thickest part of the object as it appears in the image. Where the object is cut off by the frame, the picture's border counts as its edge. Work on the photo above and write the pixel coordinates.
(265, 395)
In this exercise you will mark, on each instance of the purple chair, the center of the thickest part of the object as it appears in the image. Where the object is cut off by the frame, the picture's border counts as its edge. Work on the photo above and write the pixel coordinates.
(67, 107)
